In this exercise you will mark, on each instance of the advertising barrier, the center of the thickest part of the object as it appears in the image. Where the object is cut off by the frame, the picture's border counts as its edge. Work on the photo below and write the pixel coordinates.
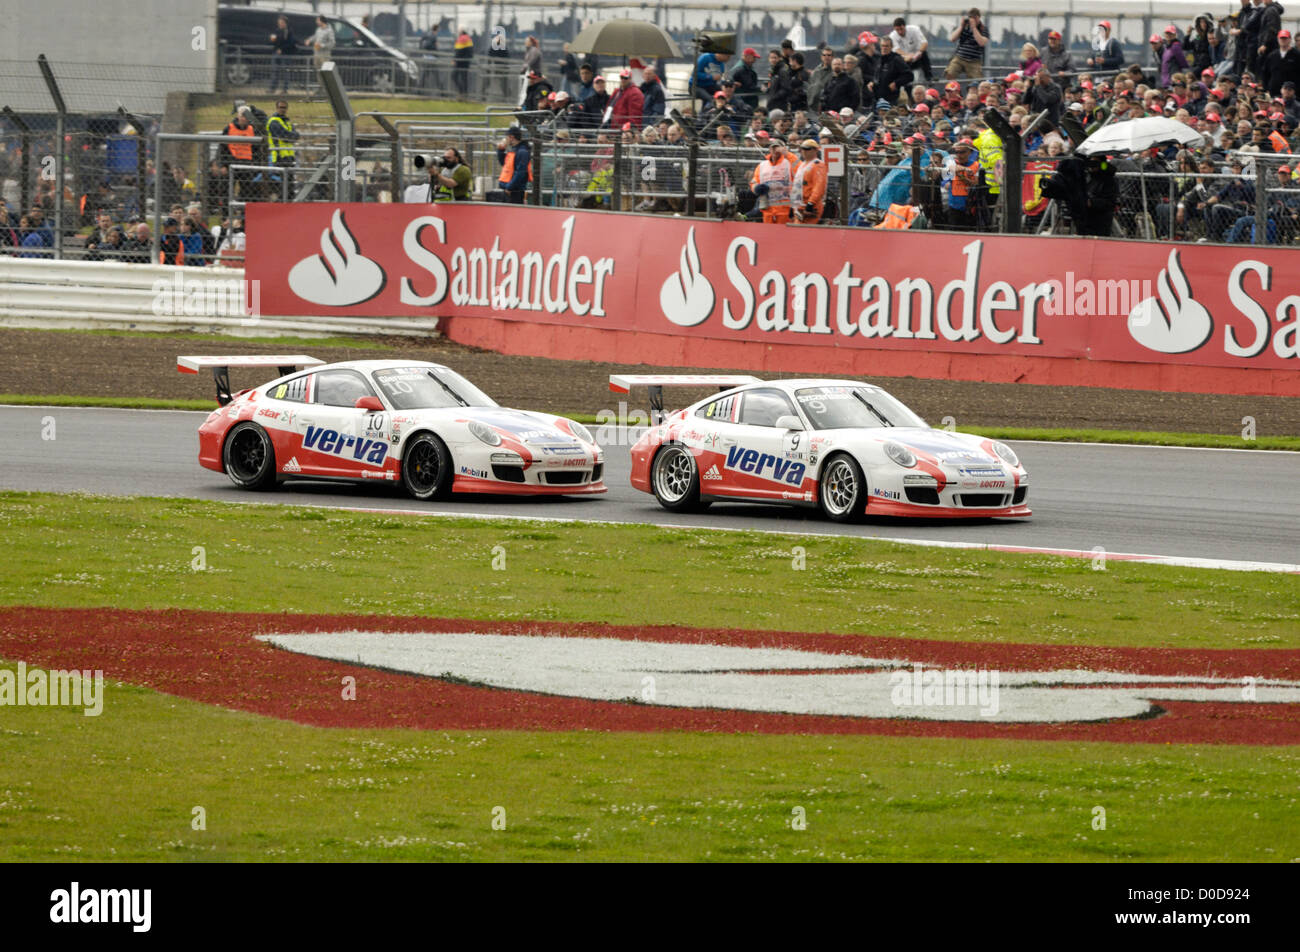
(639, 289)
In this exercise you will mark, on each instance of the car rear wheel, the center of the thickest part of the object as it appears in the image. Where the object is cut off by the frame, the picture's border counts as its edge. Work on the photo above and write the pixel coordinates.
(249, 457)
(426, 467)
(675, 479)
(843, 490)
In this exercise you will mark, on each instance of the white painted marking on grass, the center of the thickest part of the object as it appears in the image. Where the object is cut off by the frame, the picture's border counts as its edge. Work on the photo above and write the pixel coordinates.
(732, 677)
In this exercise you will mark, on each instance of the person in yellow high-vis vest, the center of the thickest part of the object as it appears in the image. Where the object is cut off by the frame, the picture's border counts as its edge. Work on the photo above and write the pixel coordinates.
(280, 136)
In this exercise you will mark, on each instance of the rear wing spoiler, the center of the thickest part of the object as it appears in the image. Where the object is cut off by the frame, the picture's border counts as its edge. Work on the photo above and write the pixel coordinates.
(220, 367)
(655, 383)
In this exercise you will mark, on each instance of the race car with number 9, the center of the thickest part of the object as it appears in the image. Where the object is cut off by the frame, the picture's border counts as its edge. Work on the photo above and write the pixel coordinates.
(844, 445)
(413, 422)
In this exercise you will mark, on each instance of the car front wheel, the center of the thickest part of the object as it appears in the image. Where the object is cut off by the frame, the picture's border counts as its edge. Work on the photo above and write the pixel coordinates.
(249, 457)
(426, 467)
(675, 479)
(842, 489)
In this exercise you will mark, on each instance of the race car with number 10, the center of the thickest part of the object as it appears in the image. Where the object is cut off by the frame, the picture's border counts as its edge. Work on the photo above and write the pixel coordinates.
(845, 445)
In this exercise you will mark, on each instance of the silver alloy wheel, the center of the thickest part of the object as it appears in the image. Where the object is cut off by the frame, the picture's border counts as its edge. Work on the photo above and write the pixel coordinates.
(674, 472)
(839, 487)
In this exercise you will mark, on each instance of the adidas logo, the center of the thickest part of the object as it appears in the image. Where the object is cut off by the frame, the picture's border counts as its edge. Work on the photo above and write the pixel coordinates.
(291, 466)
(713, 472)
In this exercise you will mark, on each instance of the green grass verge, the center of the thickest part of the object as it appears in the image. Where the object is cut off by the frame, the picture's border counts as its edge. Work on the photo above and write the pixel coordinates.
(278, 791)
(84, 551)
(123, 787)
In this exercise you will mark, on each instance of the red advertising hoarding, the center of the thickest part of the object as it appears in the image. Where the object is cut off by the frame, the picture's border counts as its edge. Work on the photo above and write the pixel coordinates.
(676, 292)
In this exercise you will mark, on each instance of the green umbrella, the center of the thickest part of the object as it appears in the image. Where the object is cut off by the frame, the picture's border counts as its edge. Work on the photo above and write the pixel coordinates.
(625, 38)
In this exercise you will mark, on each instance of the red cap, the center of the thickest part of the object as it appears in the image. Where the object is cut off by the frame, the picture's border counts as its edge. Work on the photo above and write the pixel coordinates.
(719, 95)
(864, 38)
(871, 37)
(749, 51)
(1171, 29)
(954, 85)
(1105, 23)
(627, 126)
(965, 142)
(921, 107)
(932, 94)
(1217, 93)
(1261, 114)
(625, 74)
(1154, 39)
(1276, 117)
(1284, 168)
(940, 134)
(1087, 84)
(763, 135)
(1284, 34)
(1054, 35)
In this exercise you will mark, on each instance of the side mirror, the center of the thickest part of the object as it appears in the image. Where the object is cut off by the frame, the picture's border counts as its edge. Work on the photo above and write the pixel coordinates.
(788, 422)
(369, 404)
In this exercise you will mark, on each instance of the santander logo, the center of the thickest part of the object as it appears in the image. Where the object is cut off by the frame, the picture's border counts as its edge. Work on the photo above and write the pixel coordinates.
(340, 276)
(1174, 324)
(687, 296)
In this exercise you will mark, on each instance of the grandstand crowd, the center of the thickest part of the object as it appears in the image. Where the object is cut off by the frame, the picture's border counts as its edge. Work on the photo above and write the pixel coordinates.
(1232, 79)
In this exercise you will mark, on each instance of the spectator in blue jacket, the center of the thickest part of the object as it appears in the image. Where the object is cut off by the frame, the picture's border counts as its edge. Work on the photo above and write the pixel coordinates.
(708, 73)
(514, 155)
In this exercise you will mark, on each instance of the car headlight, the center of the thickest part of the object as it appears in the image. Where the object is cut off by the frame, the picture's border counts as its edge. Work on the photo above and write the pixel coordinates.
(484, 433)
(900, 454)
(1007, 454)
(580, 431)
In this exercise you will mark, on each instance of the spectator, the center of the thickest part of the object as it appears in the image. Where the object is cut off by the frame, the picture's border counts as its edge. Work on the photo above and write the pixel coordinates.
(113, 247)
(799, 77)
(1171, 58)
(592, 113)
(1201, 42)
(171, 250)
(463, 58)
(771, 182)
(1045, 94)
(1247, 36)
(654, 102)
(231, 249)
(778, 81)
(708, 73)
(911, 44)
(627, 103)
(840, 92)
(536, 91)
(820, 77)
(191, 239)
(10, 236)
(586, 84)
(238, 153)
(746, 79)
(1056, 60)
(322, 44)
(283, 45)
(515, 159)
(103, 225)
(1281, 66)
(1270, 24)
(532, 57)
(1030, 61)
(890, 76)
(971, 37)
(138, 246)
(217, 187)
(1107, 54)
(1233, 200)
(808, 187)
(568, 64)
(280, 136)
(961, 173)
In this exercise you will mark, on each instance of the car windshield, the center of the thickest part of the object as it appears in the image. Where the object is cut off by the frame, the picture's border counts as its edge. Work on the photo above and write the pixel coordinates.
(419, 388)
(837, 408)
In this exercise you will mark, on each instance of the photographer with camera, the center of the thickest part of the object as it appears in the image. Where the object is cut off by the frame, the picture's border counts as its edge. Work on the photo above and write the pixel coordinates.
(449, 180)
(971, 37)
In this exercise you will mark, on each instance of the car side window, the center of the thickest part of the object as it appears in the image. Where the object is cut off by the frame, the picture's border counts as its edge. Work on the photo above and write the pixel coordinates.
(341, 388)
(295, 390)
(720, 410)
(764, 407)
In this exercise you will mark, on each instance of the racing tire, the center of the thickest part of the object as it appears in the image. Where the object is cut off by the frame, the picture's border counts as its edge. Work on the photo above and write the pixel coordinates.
(675, 479)
(842, 489)
(426, 467)
(249, 457)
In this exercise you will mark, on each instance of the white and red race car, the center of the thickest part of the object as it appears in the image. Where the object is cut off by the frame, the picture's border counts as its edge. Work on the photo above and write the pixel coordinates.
(846, 445)
(419, 423)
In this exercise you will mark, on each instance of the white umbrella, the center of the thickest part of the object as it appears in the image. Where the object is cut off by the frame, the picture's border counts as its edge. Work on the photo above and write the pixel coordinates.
(1137, 135)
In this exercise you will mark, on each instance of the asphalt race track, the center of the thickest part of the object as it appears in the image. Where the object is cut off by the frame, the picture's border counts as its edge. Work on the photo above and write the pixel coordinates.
(1211, 504)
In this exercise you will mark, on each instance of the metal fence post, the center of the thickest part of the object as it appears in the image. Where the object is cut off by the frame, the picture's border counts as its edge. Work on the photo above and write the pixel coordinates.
(844, 189)
(535, 147)
(616, 186)
(692, 166)
(1013, 164)
(1261, 205)
(61, 111)
(345, 120)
